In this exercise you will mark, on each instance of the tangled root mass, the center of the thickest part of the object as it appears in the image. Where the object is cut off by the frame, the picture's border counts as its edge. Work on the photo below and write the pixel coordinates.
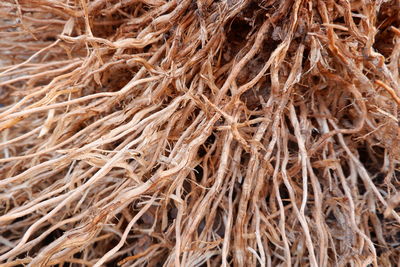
(199, 133)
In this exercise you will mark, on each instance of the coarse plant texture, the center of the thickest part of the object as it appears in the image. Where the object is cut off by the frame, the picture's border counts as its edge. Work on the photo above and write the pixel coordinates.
(199, 133)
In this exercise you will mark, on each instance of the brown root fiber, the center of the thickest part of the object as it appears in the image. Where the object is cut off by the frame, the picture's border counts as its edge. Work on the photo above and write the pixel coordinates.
(199, 133)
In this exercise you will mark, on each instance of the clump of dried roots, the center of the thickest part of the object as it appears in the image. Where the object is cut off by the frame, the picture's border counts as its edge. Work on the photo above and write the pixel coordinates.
(199, 133)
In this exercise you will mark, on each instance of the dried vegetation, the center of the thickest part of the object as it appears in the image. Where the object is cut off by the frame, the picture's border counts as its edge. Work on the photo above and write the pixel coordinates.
(199, 133)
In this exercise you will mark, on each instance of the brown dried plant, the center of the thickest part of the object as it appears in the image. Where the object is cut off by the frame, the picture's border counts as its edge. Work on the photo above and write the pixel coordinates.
(199, 133)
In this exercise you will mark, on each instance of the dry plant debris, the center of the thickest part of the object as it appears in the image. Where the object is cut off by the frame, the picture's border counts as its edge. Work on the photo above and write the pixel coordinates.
(199, 133)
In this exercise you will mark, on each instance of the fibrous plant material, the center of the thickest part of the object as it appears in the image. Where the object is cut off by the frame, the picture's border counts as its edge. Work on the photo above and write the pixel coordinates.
(199, 133)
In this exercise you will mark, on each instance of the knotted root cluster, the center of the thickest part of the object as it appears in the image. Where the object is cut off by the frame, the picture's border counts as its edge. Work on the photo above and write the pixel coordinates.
(199, 133)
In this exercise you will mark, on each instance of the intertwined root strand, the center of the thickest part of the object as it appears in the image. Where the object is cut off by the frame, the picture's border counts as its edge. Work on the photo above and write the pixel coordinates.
(199, 133)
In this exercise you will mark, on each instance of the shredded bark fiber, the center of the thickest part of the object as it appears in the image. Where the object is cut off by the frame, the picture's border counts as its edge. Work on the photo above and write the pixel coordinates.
(199, 133)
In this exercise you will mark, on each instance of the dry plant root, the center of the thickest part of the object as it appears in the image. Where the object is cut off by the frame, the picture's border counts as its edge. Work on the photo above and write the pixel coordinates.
(199, 133)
